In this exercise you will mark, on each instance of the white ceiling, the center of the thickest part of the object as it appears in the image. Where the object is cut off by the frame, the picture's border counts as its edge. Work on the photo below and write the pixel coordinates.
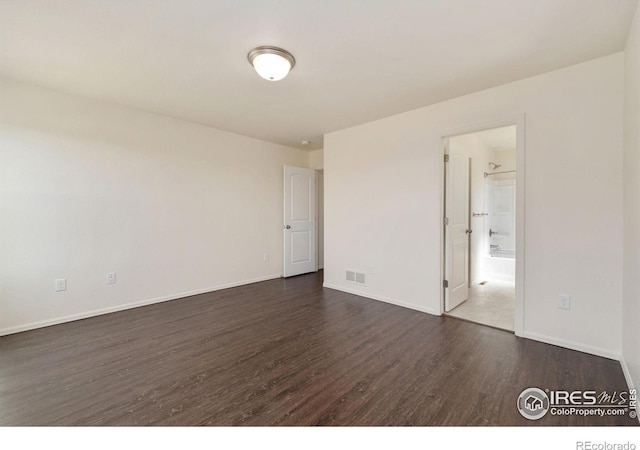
(356, 60)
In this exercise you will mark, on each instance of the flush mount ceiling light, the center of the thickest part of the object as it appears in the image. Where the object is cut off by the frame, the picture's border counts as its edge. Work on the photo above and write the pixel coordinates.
(271, 63)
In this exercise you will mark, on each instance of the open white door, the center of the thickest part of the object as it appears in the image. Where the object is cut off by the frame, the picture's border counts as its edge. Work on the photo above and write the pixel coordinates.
(299, 221)
(456, 228)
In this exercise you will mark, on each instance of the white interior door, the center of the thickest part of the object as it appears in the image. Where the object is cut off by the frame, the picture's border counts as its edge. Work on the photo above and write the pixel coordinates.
(299, 221)
(456, 228)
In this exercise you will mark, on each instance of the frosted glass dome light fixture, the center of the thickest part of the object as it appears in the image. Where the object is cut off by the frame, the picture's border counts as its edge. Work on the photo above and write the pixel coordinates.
(271, 63)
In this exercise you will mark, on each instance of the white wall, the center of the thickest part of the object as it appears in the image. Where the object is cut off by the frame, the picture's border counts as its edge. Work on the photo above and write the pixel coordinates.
(631, 309)
(383, 200)
(507, 159)
(316, 159)
(88, 188)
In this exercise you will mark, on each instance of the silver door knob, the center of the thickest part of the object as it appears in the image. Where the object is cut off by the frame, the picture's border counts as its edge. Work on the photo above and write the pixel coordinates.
(287, 226)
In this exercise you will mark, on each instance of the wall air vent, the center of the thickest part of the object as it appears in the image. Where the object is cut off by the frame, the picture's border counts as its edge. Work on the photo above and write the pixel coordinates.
(351, 276)
(355, 277)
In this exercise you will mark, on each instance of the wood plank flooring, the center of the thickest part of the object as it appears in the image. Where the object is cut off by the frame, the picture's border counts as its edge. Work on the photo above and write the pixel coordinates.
(284, 352)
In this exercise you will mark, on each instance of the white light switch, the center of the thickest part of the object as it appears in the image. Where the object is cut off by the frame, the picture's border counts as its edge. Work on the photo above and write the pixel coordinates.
(61, 284)
(564, 301)
(111, 278)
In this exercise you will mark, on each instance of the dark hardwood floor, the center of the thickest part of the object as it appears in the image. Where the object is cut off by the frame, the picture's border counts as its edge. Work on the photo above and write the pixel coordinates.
(284, 352)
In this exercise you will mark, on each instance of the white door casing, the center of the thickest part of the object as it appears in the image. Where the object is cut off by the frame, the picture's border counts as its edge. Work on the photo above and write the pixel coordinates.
(456, 228)
(299, 221)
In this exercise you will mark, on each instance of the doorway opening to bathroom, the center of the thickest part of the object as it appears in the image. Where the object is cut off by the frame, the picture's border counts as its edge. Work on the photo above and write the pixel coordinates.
(480, 223)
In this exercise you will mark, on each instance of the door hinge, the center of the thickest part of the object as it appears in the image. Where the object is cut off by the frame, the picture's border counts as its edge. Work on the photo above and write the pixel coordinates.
(446, 221)
(445, 283)
(446, 157)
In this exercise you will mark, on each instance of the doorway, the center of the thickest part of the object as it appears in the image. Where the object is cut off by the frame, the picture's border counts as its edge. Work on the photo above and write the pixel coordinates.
(300, 224)
(480, 226)
(303, 221)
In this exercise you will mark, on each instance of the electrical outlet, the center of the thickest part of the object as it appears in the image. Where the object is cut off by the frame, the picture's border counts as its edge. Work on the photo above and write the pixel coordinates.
(265, 257)
(111, 278)
(564, 301)
(61, 284)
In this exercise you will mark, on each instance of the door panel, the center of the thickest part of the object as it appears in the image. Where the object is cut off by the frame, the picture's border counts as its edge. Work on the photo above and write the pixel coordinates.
(299, 221)
(300, 251)
(300, 197)
(456, 230)
(458, 255)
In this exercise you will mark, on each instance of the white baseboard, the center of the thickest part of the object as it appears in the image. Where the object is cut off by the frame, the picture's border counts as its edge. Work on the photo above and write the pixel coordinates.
(529, 335)
(380, 298)
(125, 306)
(627, 375)
(597, 351)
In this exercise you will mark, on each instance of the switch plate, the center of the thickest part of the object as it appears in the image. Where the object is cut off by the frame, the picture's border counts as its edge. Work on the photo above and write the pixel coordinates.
(111, 278)
(265, 257)
(61, 284)
(564, 301)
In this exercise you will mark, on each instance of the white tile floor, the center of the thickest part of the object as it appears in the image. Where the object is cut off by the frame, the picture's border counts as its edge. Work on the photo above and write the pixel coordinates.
(489, 304)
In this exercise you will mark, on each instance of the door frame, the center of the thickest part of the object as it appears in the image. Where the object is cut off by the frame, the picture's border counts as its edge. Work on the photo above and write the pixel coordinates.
(519, 121)
(319, 206)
